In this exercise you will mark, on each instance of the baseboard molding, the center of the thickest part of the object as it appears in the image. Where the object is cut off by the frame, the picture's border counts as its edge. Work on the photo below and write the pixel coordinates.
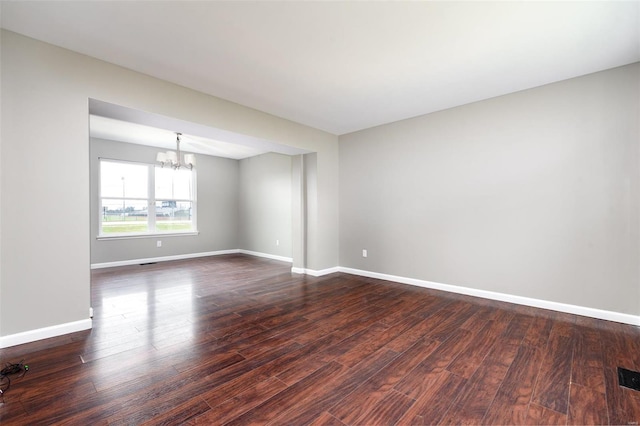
(58, 330)
(266, 255)
(162, 258)
(520, 300)
(44, 333)
(315, 273)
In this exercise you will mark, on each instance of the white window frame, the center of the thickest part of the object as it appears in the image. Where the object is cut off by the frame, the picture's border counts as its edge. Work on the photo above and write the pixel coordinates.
(151, 204)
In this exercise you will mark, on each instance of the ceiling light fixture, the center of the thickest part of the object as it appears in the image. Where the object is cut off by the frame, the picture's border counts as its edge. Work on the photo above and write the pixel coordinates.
(174, 158)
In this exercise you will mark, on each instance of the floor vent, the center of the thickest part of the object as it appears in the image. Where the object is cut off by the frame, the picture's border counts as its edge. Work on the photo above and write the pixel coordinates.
(629, 379)
(148, 263)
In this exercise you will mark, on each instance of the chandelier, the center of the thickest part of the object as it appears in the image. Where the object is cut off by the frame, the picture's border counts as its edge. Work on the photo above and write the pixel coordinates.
(175, 159)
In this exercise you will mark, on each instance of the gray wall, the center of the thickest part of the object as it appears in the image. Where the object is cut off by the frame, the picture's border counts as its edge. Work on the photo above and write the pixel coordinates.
(265, 204)
(44, 171)
(532, 194)
(217, 201)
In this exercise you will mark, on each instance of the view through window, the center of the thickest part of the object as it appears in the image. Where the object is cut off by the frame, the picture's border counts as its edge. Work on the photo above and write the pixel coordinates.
(139, 199)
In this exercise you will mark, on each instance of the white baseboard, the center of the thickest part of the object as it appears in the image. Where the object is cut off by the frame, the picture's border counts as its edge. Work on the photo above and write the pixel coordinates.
(266, 255)
(520, 300)
(53, 331)
(44, 333)
(162, 258)
(315, 273)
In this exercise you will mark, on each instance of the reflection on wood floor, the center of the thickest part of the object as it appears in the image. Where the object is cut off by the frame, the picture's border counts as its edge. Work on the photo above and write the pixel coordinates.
(236, 340)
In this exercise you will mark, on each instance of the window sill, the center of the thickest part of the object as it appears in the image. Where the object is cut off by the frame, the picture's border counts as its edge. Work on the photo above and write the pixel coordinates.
(154, 235)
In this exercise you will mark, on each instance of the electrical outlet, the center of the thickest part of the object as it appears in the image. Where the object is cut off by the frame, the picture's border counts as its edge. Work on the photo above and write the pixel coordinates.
(158, 243)
(364, 253)
(277, 242)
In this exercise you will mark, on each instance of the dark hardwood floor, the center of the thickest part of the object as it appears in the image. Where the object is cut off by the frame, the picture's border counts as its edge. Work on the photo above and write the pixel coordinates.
(240, 340)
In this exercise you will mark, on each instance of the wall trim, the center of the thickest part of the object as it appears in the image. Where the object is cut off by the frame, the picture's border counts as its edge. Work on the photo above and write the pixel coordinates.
(44, 333)
(267, 255)
(504, 297)
(315, 273)
(162, 258)
(72, 327)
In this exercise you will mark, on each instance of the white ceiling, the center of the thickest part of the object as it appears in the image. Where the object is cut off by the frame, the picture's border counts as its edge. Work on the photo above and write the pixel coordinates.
(119, 123)
(343, 66)
(126, 131)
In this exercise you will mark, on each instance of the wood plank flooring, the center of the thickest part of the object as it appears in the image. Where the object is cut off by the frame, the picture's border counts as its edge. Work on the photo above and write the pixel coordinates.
(240, 340)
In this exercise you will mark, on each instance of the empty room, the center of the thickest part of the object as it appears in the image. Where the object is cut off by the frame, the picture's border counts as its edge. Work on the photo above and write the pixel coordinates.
(326, 213)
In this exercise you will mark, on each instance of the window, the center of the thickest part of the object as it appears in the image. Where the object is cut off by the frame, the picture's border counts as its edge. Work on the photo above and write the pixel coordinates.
(173, 200)
(143, 199)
